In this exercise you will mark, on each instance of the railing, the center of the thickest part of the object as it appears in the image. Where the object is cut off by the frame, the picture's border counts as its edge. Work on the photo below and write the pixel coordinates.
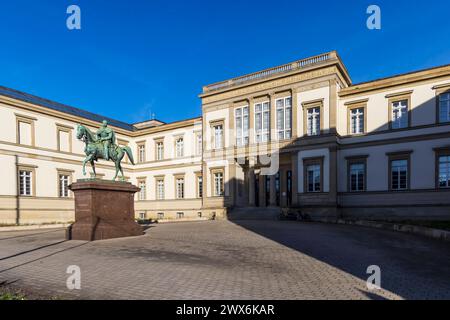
(269, 72)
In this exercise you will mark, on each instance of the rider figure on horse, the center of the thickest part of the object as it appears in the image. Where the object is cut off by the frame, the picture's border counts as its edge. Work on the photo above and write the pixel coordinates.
(107, 137)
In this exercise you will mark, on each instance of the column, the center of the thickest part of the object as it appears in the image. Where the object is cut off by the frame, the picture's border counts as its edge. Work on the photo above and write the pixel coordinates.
(294, 169)
(273, 191)
(262, 191)
(333, 175)
(251, 186)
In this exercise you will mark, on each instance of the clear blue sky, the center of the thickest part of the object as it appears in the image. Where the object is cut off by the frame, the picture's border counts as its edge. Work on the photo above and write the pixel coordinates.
(135, 56)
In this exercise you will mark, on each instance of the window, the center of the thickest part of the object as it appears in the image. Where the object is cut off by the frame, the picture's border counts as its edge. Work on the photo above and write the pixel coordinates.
(284, 116)
(25, 133)
(218, 136)
(313, 121)
(160, 215)
(357, 121)
(141, 152)
(444, 107)
(142, 216)
(159, 150)
(199, 186)
(143, 190)
(242, 125)
(357, 176)
(313, 176)
(444, 171)
(179, 188)
(199, 214)
(160, 189)
(198, 144)
(218, 184)
(399, 174)
(399, 114)
(25, 181)
(262, 122)
(179, 147)
(64, 136)
(180, 215)
(64, 181)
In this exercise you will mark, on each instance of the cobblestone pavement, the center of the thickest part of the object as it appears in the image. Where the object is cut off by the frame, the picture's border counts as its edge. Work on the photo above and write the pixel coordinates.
(231, 260)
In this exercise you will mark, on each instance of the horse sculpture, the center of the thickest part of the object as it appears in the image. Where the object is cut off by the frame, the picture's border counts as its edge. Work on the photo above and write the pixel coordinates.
(95, 150)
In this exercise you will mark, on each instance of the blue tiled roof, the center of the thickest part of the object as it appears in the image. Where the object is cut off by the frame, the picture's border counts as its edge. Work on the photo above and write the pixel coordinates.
(63, 108)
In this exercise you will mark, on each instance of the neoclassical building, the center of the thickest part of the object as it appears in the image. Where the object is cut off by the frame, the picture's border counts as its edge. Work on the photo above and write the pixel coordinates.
(298, 137)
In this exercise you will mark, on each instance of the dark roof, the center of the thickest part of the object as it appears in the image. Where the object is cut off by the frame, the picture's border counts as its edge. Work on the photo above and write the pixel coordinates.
(63, 108)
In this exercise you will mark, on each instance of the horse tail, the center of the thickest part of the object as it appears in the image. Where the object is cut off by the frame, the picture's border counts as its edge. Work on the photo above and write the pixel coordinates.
(129, 153)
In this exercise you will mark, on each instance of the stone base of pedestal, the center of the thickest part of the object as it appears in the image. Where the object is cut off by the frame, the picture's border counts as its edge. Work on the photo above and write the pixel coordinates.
(103, 210)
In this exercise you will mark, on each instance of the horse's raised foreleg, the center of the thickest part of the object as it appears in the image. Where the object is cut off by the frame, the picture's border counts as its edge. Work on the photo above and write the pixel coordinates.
(117, 163)
(93, 168)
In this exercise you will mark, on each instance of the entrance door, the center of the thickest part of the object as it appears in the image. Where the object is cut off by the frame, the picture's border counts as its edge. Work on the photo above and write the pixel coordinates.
(289, 187)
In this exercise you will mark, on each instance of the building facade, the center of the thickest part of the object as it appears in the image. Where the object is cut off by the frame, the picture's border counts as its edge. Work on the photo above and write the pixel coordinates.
(299, 137)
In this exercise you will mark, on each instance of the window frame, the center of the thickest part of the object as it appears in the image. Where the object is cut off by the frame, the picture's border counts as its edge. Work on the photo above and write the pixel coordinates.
(312, 105)
(32, 170)
(398, 97)
(264, 131)
(439, 93)
(213, 125)
(143, 180)
(213, 172)
(243, 136)
(440, 152)
(157, 195)
(310, 162)
(139, 145)
(64, 172)
(398, 156)
(176, 154)
(67, 129)
(356, 160)
(350, 108)
(284, 118)
(28, 120)
(176, 178)
(157, 142)
(199, 190)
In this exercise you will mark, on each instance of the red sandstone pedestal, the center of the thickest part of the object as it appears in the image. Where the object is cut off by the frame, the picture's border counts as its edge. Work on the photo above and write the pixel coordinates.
(103, 210)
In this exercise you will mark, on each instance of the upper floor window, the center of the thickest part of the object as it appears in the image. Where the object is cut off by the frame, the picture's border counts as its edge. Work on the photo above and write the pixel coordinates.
(179, 147)
(399, 174)
(444, 171)
(141, 153)
(25, 183)
(218, 136)
(64, 138)
(160, 189)
(143, 191)
(444, 107)
(179, 188)
(198, 144)
(218, 184)
(63, 181)
(242, 125)
(284, 118)
(25, 130)
(159, 150)
(357, 120)
(400, 114)
(313, 121)
(262, 122)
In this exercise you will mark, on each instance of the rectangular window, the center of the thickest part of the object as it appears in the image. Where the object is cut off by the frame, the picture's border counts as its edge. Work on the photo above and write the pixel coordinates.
(160, 189)
(313, 178)
(262, 122)
(444, 107)
(179, 147)
(141, 153)
(357, 172)
(64, 140)
(284, 118)
(218, 184)
(179, 192)
(198, 144)
(199, 186)
(142, 216)
(357, 121)
(399, 174)
(64, 181)
(242, 126)
(313, 121)
(218, 136)
(444, 171)
(25, 133)
(180, 215)
(160, 215)
(25, 183)
(399, 114)
(143, 191)
(159, 150)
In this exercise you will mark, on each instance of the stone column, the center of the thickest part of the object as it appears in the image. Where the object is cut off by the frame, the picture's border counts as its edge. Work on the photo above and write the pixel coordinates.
(294, 169)
(262, 191)
(251, 186)
(273, 191)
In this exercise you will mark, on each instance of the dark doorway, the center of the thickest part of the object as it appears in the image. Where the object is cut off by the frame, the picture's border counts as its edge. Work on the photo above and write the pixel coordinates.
(289, 187)
(256, 182)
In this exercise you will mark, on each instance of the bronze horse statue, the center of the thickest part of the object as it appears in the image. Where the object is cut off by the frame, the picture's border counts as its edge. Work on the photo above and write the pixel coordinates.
(95, 149)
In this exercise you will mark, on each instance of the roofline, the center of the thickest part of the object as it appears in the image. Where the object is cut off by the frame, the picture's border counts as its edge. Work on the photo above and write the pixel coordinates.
(396, 80)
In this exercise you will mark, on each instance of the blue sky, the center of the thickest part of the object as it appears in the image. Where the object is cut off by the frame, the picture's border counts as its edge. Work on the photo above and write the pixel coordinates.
(135, 57)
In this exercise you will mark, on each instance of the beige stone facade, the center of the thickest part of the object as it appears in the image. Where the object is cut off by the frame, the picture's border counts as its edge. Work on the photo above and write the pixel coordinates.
(298, 136)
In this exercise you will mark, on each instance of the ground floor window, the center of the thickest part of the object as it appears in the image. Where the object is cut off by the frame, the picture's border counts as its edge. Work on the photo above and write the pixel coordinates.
(399, 174)
(143, 191)
(444, 171)
(179, 188)
(160, 215)
(180, 215)
(160, 189)
(218, 184)
(64, 185)
(313, 178)
(357, 176)
(25, 181)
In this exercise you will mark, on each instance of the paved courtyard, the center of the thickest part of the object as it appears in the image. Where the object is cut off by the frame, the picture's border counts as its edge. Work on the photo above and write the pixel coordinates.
(230, 260)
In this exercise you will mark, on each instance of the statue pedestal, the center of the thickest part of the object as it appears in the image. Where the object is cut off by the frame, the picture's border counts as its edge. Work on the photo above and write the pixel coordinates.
(103, 210)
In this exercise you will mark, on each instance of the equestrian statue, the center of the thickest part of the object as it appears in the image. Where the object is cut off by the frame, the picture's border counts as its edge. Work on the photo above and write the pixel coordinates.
(102, 145)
